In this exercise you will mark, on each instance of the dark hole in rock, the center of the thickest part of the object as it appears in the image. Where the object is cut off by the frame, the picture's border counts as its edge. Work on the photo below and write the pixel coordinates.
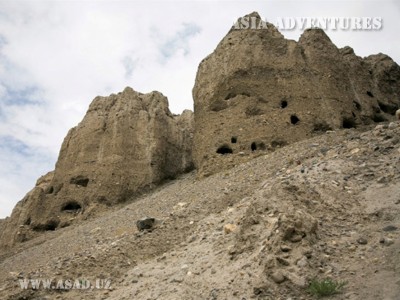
(378, 118)
(50, 225)
(224, 150)
(370, 94)
(387, 108)
(257, 146)
(284, 104)
(80, 180)
(353, 114)
(234, 140)
(28, 221)
(348, 123)
(71, 206)
(322, 126)
(294, 119)
(357, 105)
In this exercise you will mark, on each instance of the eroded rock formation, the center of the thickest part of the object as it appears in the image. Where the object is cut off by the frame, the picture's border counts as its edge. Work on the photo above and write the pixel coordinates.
(125, 144)
(258, 91)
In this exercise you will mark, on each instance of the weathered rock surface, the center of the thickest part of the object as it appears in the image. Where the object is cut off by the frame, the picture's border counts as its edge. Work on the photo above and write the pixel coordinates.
(126, 143)
(258, 91)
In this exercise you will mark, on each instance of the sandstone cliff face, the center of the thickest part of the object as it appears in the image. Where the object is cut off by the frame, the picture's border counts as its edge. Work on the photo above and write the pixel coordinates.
(126, 143)
(258, 91)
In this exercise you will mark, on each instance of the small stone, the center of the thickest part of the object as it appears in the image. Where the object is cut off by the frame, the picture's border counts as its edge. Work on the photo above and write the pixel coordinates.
(228, 228)
(135, 280)
(176, 280)
(278, 277)
(382, 179)
(362, 241)
(390, 228)
(296, 238)
(146, 223)
(285, 248)
(283, 261)
(379, 127)
(386, 241)
(352, 247)
(302, 262)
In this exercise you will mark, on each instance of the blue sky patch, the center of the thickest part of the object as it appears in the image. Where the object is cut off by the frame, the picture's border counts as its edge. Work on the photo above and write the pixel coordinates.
(26, 96)
(179, 41)
(10, 144)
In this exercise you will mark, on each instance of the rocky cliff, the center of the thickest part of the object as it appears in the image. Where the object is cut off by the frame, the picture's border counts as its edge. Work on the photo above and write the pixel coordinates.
(125, 144)
(258, 91)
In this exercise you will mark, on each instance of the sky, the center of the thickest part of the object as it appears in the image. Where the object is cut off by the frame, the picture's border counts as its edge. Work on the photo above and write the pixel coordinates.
(57, 56)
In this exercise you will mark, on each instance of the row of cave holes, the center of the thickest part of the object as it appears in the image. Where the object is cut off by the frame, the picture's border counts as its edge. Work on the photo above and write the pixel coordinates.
(346, 123)
(78, 180)
(225, 149)
(51, 225)
(69, 207)
(284, 103)
(293, 118)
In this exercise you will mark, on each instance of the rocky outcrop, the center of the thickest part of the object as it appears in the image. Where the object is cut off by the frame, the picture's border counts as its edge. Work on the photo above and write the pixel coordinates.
(125, 144)
(258, 91)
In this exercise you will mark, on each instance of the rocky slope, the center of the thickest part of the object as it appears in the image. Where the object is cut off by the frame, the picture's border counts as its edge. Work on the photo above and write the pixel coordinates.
(125, 144)
(258, 91)
(327, 207)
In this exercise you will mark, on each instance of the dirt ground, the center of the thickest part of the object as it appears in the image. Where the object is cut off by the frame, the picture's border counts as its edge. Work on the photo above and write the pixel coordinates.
(327, 207)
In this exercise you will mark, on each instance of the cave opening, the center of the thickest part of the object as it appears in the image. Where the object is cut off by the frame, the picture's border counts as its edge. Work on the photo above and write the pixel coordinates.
(224, 149)
(294, 119)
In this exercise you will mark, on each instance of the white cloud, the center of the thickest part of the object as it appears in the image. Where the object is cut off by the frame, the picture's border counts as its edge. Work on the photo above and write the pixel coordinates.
(56, 56)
